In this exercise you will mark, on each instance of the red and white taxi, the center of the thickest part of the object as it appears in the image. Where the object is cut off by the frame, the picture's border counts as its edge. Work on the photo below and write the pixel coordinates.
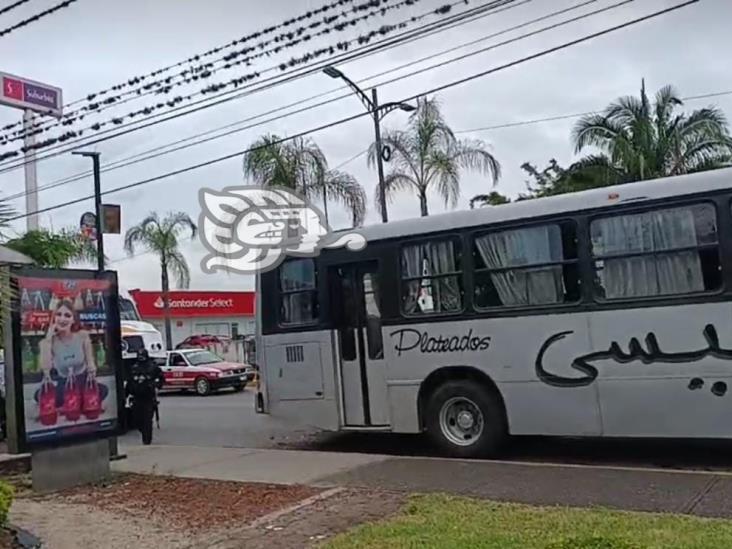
(203, 371)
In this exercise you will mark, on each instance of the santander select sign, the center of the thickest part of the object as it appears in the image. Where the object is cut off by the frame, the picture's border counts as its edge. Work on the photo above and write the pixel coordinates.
(195, 303)
(210, 303)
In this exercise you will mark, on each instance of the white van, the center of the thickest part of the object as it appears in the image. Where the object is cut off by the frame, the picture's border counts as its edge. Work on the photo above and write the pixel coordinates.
(137, 334)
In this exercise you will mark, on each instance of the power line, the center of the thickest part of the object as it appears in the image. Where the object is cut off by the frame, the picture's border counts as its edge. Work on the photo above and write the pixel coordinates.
(188, 239)
(206, 103)
(36, 17)
(197, 57)
(117, 121)
(342, 121)
(576, 115)
(205, 71)
(141, 157)
(13, 6)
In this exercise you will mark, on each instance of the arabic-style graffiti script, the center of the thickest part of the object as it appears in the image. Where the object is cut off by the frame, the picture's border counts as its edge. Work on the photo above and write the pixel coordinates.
(636, 352)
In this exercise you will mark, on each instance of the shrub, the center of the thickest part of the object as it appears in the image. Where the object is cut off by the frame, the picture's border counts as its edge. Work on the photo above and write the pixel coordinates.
(6, 500)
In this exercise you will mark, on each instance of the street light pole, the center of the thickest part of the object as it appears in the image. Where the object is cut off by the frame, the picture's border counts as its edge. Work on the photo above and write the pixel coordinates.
(377, 112)
(97, 206)
(379, 159)
(114, 454)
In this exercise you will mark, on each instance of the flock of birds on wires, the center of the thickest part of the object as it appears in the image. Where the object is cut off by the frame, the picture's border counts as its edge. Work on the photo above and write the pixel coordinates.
(336, 32)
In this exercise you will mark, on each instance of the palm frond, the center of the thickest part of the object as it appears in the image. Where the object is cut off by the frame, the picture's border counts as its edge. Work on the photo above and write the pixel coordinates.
(345, 189)
(393, 183)
(178, 267)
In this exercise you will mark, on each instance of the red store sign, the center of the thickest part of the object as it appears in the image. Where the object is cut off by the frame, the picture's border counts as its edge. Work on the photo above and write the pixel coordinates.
(195, 304)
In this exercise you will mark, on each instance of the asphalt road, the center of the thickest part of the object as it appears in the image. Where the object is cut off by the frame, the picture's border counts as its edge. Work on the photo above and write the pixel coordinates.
(228, 419)
(221, 419)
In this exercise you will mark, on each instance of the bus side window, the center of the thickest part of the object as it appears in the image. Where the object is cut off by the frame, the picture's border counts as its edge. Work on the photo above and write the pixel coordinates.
(298, 292)
(431, 277)
(375, 343)
(667, 251)
(527, 266)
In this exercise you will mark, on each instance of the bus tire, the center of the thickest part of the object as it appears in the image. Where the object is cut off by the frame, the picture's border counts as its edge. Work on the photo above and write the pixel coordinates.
(466, 419)
(203, 387)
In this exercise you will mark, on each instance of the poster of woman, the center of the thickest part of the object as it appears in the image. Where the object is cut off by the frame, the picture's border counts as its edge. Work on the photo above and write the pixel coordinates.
(68, 382)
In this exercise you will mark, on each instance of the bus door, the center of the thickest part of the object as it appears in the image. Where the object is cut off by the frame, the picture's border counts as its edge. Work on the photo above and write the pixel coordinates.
(355, 303)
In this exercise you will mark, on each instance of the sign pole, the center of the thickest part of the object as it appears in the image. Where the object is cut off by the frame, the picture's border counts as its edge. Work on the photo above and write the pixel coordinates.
(31, 177)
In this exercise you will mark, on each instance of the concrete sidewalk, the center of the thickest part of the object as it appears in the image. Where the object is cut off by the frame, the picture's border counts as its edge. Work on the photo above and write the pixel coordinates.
(698, 493)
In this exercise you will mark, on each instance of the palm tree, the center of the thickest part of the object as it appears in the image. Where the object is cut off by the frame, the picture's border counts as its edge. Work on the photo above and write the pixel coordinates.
(639, 140)
(161, 238)
(300, 165)
(428, 155)
(54, 250)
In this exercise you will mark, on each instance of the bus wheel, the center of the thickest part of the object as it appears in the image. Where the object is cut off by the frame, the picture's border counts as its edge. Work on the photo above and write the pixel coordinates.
(203, 387)
(466, 420)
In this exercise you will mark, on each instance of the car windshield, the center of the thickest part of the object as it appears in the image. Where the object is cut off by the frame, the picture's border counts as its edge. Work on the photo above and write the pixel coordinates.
(202, 357)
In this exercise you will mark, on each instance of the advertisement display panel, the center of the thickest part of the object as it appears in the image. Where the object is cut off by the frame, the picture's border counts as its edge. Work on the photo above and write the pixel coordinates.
(68, 356)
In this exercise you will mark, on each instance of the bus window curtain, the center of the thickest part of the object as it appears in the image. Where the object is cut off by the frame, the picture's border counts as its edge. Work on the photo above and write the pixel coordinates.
(411, 267)
(447, 290)
(672, 273)
(525, 286)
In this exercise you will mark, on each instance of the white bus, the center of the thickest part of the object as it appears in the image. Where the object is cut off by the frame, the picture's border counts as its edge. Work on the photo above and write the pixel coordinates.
(137, 334)
(601, 313)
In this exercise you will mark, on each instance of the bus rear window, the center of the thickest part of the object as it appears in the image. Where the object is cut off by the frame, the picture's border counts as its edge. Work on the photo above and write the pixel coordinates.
(298, 292)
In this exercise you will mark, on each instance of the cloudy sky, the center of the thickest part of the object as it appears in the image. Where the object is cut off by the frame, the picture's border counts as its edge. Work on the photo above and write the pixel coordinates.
(95, 44)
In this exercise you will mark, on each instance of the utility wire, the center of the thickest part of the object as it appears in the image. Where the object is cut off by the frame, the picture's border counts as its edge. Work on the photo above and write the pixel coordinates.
(36, 17)
(203, 72)
(12, 6)
(206, 103)
(141, 156)
(575, 115)
(190, 238)
(342, 121)
(197, 57)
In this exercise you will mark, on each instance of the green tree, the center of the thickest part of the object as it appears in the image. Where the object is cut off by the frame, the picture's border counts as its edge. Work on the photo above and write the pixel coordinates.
(54, 250)
(553, 180)
(160, 236)
(640, 140)
(493, 198)
(300, 165)
(429, 156)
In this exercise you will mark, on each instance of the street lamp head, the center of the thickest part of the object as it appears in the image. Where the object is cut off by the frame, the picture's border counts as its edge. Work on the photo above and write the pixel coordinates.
(406, 107)
(85, 153)
(332, 72)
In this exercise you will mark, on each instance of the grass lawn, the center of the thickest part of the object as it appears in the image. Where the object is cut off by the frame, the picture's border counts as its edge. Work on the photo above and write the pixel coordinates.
(444, 521)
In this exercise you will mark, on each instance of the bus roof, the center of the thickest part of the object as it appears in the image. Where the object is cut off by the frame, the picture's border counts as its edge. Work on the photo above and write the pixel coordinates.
(571, 202)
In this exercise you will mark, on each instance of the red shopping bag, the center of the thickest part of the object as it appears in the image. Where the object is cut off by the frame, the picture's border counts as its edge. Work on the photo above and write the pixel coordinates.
(91, 402)
(72, 399)
(48, 415)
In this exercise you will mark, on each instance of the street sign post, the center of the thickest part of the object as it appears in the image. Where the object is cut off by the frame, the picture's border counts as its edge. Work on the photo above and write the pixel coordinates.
(32, 97)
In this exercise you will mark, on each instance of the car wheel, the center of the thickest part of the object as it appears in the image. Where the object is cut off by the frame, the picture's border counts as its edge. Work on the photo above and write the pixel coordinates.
(466, 419)
(203, 387)
(239, 388)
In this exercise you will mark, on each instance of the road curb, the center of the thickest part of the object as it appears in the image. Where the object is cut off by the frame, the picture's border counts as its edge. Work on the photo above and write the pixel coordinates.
(271, 517)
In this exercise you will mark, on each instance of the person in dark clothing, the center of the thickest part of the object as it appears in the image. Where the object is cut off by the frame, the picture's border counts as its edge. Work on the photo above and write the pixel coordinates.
(145, 378)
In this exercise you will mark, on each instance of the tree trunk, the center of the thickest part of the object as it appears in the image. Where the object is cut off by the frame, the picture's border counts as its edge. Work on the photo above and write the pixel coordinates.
(423, 204)
(166, 302)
